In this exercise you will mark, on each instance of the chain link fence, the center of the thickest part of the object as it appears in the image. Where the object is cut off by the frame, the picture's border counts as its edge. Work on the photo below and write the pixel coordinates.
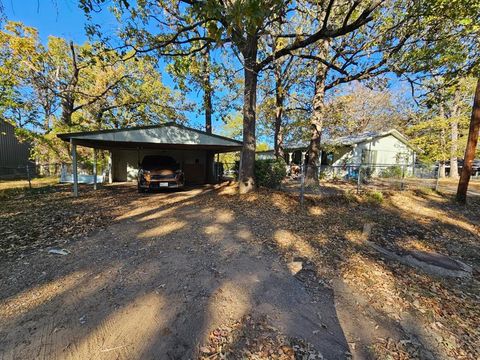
(63, 171)
(361, 178)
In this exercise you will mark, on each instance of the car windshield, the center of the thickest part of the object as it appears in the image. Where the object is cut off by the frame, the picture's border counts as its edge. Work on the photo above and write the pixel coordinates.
(155, 162)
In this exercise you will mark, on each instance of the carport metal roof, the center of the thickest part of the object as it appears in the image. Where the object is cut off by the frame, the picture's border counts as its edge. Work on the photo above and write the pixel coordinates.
(164, 136)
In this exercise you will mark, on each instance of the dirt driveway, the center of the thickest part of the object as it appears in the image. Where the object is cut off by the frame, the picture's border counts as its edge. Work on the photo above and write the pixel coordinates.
(154, 284)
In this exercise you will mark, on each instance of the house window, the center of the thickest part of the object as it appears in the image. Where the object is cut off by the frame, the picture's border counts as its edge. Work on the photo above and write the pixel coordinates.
(369, 156)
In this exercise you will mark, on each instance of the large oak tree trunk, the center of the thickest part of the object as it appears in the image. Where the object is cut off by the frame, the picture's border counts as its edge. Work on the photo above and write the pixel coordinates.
(247, 163)
(316, 122)
(279, 98)
(207, 104)
(207, 92)
(471, 148)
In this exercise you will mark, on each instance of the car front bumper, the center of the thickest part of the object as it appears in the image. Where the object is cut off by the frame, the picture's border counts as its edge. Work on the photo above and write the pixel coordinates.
(154, 184)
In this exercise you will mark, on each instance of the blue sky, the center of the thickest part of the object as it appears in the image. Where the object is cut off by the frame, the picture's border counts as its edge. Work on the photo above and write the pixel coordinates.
(63, 18)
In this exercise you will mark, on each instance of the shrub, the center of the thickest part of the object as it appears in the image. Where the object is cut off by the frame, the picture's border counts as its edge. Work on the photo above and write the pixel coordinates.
(374, 197)
(270, 172)
(392, 172)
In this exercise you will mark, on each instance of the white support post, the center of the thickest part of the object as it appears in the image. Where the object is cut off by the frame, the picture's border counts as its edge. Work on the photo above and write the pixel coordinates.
(74, 167)
(290, 156)
(94, 169)
(110, 168)
(304, 153)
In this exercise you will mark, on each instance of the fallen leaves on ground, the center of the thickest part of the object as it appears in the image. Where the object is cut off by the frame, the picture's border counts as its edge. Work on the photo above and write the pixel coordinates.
(446, 310)
(255, 339)
(327, 234)
(36, 220)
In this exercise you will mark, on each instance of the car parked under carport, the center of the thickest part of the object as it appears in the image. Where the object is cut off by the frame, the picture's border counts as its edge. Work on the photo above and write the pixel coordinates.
(194, 150)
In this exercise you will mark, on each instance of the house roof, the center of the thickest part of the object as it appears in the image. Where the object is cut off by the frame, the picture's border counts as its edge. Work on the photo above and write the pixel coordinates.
(350, 140)
(367, 136)
(167, 136)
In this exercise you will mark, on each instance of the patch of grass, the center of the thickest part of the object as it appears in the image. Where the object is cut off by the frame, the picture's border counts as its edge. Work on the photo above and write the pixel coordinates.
(374, 197)
(350, 196)
(424, 191)
(13, 188)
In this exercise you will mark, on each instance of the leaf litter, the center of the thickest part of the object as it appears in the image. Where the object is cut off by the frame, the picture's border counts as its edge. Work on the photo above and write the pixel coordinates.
(327, 234)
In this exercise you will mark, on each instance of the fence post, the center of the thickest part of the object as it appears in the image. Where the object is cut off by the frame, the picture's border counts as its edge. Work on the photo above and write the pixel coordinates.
(438, 177)
(28, 177)
(402, 182)
(358, 178)
(302, 184)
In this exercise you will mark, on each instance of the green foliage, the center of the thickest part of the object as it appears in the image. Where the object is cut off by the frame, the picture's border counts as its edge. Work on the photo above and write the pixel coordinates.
(374, 197)
(233, 126)
(61, 87)
(270, 173)
(392, 172)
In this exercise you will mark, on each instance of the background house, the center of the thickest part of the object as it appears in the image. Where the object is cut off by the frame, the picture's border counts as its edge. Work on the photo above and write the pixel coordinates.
(14, 155)
(377, 150)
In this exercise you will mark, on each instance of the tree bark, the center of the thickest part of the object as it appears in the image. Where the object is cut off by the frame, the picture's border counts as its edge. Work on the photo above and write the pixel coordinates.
(207, 92)
(441, 169)
(454, 148)
(68, 100)
(207, 103)
(279, 98)
(316, 121)
(471, 148)
(443, 161)
(247, 164)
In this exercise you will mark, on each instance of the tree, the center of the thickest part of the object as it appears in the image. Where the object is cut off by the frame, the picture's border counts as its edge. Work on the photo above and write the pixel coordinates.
(357, 108)
(64, 87)
(361, 54)
(244, 25)
(281, 100)
(450, 48)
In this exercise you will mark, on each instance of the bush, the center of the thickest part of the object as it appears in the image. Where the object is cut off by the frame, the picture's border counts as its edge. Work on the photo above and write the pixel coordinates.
(374, 197)
(392, 172)
(270, 172)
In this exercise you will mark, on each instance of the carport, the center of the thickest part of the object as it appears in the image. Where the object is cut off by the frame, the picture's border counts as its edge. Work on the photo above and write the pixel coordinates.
(193, 149)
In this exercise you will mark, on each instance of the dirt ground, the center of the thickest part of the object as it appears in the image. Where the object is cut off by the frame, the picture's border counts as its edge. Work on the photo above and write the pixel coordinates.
(205, 273)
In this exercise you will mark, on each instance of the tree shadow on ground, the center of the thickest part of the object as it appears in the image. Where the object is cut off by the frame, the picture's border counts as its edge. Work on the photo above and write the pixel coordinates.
(172, 267)
(154, 284)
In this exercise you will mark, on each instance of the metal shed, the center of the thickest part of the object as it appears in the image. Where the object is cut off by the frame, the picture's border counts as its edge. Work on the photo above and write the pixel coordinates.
(193, 149)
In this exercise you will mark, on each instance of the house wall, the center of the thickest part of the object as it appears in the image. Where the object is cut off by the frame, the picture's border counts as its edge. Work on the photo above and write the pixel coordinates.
(12, 152)
(193, 163)
(389, 151)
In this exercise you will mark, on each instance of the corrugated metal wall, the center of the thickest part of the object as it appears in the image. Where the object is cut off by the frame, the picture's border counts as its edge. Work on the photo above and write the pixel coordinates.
(12, 153)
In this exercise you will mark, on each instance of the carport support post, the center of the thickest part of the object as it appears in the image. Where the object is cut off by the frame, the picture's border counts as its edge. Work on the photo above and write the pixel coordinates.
(94, 169)
(74, 167)
(110, 167)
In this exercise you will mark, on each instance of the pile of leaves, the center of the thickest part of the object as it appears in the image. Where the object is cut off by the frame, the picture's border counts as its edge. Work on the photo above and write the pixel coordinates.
(254, 338)
(33, 220)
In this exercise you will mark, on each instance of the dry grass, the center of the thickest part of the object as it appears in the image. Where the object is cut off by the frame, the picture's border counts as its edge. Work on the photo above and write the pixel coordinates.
(9, 185)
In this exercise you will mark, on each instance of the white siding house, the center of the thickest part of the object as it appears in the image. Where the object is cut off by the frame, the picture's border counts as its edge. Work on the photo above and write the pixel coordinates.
(377, 150)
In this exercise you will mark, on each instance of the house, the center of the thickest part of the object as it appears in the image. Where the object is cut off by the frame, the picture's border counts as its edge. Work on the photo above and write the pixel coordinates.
(374, 150)
(14, 155)
(193, 149)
